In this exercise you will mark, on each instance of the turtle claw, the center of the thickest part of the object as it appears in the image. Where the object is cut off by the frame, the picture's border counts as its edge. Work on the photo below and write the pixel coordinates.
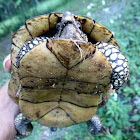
(23, 126)
(53, 129)
(18, 137)
(96, 128)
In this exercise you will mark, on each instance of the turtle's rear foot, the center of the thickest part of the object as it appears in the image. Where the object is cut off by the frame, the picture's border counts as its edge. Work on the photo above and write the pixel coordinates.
(96, 128)
(23, 126)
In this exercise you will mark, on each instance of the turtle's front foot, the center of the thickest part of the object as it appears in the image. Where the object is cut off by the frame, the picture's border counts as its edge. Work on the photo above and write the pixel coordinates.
(23, 126)
(96, 128)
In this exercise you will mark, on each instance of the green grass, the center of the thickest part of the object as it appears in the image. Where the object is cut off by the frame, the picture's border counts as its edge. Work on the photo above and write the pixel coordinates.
(126, 27)
(13, 23)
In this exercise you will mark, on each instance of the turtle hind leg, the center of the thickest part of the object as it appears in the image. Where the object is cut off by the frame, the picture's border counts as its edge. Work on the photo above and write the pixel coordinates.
(23, 126)
(96, 128)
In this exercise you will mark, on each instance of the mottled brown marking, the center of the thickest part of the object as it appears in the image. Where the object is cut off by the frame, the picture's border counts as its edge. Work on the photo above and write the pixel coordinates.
(103, 28)
(106, 33)
(66, 60)
(116, 43)
(12, 50)
(37, 114)
(92, 52)
(15, 35)
(86, 56)
(44, 30)
(20, 29)
(29, 23)
(56, 15)
(33, 19)
(28, 67)
(50, 48)
(100, 65)
(42, 18)
(84, 21)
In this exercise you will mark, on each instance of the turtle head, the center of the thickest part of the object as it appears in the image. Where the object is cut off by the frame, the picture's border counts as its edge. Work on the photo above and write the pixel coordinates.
(69, 28)
(68, 17)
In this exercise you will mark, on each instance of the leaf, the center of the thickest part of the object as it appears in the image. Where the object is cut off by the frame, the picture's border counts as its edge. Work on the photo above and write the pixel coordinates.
(1, 6)
(18, 2)
(137, 135)
(135, 118)
(119, 133)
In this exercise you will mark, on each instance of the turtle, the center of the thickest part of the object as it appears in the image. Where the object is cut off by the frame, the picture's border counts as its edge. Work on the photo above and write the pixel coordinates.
(63, 67)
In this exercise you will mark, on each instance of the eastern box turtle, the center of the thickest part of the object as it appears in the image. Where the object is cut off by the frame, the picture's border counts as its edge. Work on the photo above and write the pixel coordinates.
(62, 69)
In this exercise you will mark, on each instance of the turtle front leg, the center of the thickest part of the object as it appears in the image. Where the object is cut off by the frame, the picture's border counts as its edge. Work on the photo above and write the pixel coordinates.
(23, 126)
(96, 128)
(119, 64)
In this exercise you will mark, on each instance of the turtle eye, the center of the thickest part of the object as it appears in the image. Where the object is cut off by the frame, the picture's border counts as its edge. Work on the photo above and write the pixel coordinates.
(58, 26)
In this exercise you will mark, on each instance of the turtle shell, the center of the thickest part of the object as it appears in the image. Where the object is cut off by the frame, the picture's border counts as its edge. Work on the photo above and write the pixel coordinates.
(50, 81)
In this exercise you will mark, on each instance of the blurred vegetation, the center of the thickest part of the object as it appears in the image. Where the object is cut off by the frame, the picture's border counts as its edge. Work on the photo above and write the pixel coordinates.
(122, 17)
